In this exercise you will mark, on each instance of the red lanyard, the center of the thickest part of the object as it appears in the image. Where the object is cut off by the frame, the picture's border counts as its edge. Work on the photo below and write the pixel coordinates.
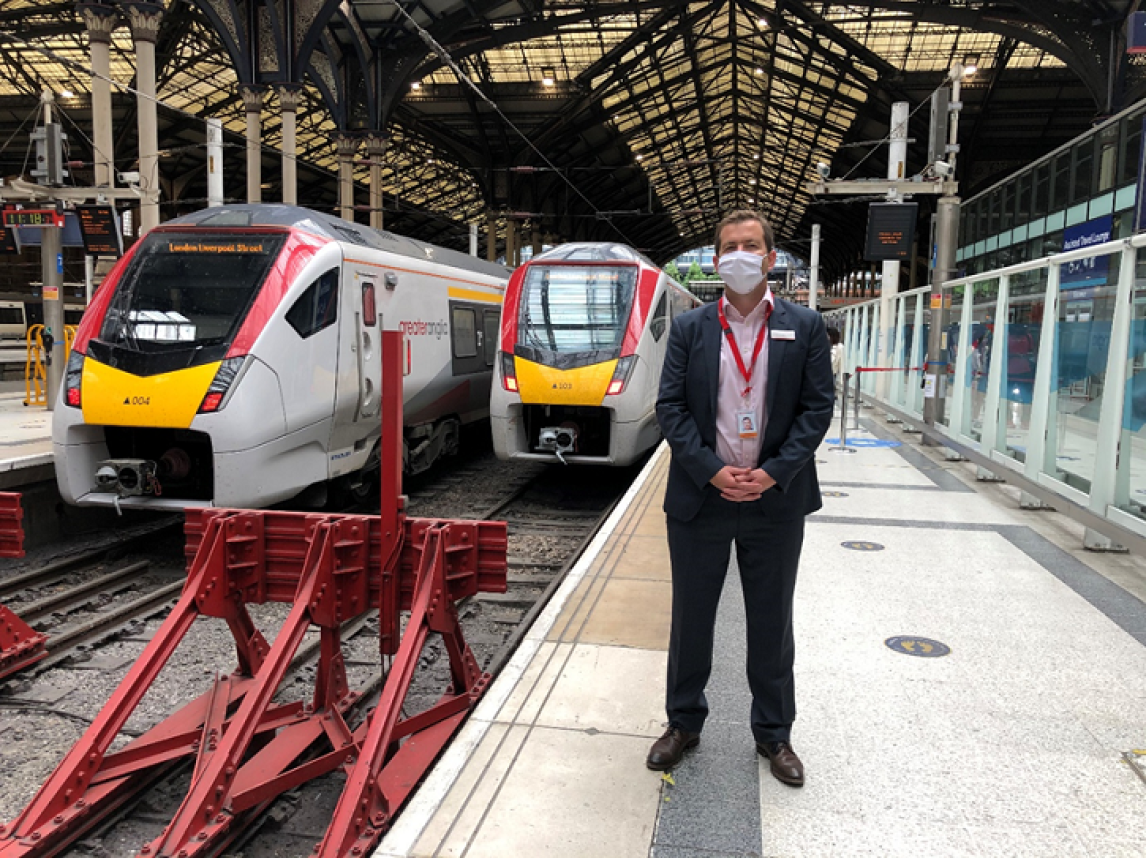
(744, 371)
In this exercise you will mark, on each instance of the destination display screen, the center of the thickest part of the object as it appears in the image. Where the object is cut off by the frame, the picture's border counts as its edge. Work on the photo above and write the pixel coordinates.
(99, 228)
(219, 248)
(890, 231)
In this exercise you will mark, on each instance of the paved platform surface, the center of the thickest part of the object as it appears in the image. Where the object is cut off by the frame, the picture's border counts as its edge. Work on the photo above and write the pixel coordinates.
(1024, 740)
(25, 431)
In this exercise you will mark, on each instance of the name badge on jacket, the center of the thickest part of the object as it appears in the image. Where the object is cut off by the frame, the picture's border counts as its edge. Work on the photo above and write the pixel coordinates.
(778, 334)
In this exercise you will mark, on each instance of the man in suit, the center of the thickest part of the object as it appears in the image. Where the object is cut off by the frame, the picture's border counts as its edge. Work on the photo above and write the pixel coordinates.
(745, 399)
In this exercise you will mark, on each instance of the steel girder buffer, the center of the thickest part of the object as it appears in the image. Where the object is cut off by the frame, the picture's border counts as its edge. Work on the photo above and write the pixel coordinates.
(245, 748)
(20, 644)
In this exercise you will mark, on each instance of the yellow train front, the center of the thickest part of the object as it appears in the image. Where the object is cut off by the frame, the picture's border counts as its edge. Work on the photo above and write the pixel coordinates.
(583, 334)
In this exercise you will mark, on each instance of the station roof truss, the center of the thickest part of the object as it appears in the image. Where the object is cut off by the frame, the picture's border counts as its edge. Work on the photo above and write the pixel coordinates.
(633, 120)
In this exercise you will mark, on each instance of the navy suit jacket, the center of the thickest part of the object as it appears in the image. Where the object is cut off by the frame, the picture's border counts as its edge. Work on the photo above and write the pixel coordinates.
(798, 410)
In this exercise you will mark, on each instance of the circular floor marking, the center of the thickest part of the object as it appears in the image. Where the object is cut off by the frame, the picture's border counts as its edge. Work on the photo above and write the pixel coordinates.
(856, 545)
(834, 494)
(921, 647)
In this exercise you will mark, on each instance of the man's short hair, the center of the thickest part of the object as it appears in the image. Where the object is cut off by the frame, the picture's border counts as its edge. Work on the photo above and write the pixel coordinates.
(742, 215)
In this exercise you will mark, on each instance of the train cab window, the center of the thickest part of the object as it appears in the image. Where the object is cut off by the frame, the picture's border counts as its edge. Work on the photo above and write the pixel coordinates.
(187, 292)
(464, 332)
(369, 308)
(317, 307)
(575, 310)
(660, 319)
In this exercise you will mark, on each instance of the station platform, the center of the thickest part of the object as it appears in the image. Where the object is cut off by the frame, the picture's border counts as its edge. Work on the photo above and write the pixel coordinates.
(969, 682)
(25, 438)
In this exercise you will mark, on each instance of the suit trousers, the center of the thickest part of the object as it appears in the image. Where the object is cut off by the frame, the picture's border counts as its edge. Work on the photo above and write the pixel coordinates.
(768, 554)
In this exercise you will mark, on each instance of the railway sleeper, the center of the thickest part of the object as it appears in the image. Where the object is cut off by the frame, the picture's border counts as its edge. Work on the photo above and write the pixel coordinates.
(247, 750)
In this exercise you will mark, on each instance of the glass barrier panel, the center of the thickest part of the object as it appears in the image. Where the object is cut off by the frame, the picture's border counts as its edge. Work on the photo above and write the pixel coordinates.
(981, 342)
(1020, 353)
(1131, 484)
(953, 314)
(915, 354)
(1086, 309)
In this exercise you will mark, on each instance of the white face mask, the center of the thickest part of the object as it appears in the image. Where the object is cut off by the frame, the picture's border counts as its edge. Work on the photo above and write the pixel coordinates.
(741, 271)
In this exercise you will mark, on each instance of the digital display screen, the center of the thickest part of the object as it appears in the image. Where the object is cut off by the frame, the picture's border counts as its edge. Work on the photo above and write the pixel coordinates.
(890, 231)
(99, 228)
(216, 248)
(33, 217)
(8, 244)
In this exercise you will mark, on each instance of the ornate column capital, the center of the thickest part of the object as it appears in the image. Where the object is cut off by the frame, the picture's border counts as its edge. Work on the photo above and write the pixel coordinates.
(347, 145)
(100, 19)
(290, 95)
(252, 96)
(145, 19)
(375, 144)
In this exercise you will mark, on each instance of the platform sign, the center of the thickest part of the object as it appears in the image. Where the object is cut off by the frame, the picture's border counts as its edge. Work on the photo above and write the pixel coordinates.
(1092, 270)
(69, 234)
(890, 231)
(99, 229)
(1136, 33)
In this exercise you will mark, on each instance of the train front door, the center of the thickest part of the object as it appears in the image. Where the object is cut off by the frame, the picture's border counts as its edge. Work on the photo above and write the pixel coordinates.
(358, 410)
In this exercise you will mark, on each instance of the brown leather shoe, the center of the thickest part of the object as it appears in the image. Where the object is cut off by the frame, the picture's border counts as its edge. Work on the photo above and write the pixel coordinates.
(786, 766)
(669, 748)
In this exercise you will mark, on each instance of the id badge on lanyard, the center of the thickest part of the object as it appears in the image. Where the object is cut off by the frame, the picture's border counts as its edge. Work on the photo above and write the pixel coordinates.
(746, 416)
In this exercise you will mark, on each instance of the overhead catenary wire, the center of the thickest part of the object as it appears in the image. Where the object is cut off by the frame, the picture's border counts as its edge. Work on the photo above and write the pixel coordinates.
(463, 78)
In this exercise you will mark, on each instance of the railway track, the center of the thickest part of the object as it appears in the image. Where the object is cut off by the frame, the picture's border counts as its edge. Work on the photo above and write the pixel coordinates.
(552, 514)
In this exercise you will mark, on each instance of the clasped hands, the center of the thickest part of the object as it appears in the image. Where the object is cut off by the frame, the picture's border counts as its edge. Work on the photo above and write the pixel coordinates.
(742, 484)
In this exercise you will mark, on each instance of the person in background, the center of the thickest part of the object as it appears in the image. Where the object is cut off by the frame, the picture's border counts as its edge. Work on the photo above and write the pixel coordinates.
(747, 359)
(837, 356)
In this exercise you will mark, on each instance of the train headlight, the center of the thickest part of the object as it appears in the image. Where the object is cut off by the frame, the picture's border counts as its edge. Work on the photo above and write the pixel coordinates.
(508, 372)
(217, 392)
(73, 376)
(621, 375)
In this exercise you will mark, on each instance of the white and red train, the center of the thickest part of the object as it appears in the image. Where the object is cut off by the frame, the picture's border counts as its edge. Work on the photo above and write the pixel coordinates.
(231, 358)
(583, 334)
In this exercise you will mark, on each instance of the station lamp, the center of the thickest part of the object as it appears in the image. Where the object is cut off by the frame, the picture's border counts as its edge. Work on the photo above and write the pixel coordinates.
(548, 78)
(970, 64)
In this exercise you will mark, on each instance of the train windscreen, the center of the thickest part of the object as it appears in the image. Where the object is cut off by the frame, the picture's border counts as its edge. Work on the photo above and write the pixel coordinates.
(574, 315)
(183, 299)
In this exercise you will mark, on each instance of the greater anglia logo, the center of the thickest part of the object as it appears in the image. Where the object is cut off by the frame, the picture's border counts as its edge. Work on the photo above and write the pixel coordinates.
(418, 328)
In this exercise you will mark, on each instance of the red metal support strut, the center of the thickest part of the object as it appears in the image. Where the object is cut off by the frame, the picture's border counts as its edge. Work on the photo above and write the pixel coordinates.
(245, 748)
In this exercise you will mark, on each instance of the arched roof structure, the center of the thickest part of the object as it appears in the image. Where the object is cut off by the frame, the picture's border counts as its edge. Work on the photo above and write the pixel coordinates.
(660, 115)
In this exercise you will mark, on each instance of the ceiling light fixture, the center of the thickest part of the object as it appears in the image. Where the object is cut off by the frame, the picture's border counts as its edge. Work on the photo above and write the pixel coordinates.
(759, 71)
(416, 85)
(67, 93)
(970, 64)
(548, 77)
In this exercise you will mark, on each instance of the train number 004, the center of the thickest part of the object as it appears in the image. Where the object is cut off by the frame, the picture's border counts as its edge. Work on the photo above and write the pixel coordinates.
(137, 400)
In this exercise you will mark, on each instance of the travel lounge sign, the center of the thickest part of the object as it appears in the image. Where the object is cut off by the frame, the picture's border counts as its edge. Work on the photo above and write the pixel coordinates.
(1091, 271)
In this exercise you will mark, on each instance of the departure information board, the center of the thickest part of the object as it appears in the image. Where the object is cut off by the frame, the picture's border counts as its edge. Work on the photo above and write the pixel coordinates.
(890, 231)
(8, 244)
(99, 227)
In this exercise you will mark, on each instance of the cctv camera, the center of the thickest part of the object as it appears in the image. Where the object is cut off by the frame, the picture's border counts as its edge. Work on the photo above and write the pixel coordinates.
(131, 178)
(824, 170)
(942, 168)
